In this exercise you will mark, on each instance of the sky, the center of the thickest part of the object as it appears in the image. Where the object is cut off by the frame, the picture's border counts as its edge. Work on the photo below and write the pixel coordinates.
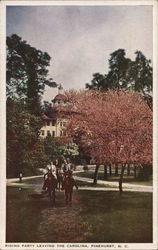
(80, 39)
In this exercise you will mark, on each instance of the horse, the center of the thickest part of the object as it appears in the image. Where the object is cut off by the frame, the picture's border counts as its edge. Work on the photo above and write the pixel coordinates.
(59, 178)
(51, 185)
(69, 183)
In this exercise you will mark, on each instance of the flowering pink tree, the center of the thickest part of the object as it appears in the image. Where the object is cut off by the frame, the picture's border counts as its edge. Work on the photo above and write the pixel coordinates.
(112, 127)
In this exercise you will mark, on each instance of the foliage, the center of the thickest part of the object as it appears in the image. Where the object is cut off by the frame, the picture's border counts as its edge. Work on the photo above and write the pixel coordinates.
(125, 74)
(118, 65)
(99, 82)
(27, 73)
(140, 74)
(55, 149)
(27, 76)
(70, 150)
(52, 149)
(46, 107)
(111, 127)
(24, 149)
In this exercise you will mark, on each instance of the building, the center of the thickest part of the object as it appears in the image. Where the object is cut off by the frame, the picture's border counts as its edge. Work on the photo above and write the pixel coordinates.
(53, 125)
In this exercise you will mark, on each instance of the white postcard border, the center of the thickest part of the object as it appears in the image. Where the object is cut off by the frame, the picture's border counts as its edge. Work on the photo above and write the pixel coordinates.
(75, 246)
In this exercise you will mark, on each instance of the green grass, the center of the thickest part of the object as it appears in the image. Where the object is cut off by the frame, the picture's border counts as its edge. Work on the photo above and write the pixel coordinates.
(94, 217)
(22, 215)
(115, 218)
(37, 180)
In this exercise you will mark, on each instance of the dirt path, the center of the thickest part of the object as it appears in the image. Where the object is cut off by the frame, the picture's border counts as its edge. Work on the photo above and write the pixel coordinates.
(62, 223)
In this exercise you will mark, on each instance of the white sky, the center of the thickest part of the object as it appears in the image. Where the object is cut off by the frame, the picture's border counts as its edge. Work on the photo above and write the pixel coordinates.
(80, 39)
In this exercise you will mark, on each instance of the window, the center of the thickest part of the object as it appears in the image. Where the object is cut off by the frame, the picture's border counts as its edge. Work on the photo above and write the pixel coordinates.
(42, 132)
(48, 133)
(61, 133)
(48, 123)
(53, 133)
(53, 122)
(61, 124)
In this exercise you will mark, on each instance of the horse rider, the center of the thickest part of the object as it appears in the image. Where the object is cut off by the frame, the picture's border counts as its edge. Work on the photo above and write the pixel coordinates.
(66, 168)
(52, 168)
(58, 169)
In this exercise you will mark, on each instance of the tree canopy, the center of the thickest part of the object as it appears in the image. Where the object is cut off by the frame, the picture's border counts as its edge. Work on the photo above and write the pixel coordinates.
(112, 127)
(27, 73)
(27, 76)
(125, 74)
(24, 150)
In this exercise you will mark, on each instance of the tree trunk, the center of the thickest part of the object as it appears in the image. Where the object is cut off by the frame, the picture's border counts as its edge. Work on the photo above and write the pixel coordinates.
(110, 171)
(96, 174)
(135, 171)
(121, 178)
(116, 169)
(128, 169)
(105, 172)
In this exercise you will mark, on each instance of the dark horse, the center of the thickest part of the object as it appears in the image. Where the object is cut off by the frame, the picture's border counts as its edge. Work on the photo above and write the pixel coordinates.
(51, 185)
(59, 178)
(69, 183)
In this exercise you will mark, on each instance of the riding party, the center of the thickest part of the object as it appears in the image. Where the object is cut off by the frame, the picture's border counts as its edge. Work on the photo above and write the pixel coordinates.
(59, 177)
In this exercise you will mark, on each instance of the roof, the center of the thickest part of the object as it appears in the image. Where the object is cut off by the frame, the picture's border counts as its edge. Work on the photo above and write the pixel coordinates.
(60, 97)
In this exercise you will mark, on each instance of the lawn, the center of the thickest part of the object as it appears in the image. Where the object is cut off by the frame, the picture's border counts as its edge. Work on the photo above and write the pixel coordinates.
(95, 216)
(115, 218)
(112, 178)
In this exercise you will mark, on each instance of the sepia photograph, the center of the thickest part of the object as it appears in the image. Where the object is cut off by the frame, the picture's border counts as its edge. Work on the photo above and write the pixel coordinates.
(79, 107)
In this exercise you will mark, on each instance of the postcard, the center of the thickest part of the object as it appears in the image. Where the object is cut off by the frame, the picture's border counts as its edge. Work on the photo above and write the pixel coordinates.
(79, 132)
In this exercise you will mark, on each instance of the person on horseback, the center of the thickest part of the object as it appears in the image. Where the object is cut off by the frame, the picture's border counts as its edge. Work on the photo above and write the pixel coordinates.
(64, 169)
(67, 169)
(57, 167)
(46, 177)
(70, 167)
(59, 174)
(64, 166)
(52, 169)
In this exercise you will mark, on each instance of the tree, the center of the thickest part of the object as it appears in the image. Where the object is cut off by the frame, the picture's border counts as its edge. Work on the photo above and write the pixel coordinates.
(24, 149)
(27, 76)
(126, 74)
(27, 73)
(111, 127)
(118, 65)
(46, 108)
(116, 78)
(70, 150)
(140, 74)
(99, 82)
(57, 149)
(53, 149)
